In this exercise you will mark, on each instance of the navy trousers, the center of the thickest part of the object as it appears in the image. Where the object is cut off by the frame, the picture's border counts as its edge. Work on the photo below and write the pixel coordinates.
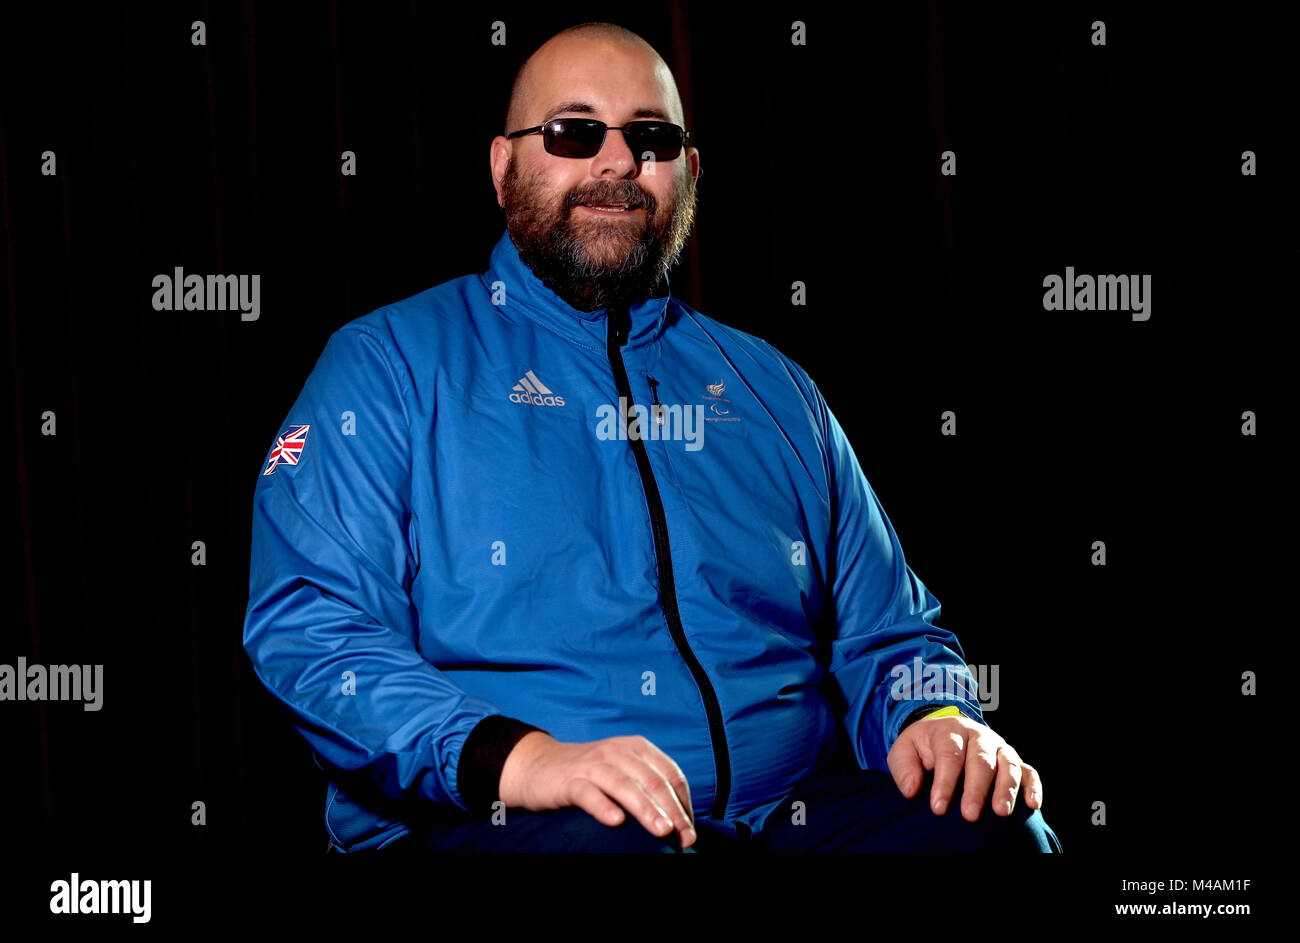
(842, 811)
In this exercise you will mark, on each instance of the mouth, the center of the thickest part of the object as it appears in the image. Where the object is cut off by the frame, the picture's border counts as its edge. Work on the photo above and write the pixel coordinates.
(610, 208)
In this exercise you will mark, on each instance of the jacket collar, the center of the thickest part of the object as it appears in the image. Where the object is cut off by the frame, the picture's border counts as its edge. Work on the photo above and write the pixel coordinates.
(527, 298)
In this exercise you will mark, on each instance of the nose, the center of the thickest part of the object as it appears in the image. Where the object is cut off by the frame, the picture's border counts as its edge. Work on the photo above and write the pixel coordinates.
(614, 155)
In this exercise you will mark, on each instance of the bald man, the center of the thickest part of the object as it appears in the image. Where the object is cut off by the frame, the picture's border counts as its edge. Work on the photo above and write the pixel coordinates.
(582, 569)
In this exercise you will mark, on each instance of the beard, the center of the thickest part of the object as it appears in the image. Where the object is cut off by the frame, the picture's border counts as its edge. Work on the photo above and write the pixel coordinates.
(590, 260)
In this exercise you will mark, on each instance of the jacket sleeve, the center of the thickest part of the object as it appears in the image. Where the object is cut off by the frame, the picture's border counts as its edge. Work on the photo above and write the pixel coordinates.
(330, 625)
(891, 662)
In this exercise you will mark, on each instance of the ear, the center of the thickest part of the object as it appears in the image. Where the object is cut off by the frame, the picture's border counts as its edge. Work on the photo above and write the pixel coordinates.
(498, 160)
(693, 163)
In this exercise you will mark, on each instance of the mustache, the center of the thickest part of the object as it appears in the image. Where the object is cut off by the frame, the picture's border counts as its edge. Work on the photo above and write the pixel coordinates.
(623, 191)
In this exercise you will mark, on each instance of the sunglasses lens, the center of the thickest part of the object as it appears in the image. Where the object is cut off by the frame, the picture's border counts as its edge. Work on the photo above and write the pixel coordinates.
(654, 140)
(574, 137)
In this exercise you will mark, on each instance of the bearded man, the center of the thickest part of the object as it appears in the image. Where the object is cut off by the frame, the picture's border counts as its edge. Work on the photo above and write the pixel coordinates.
(583, 569)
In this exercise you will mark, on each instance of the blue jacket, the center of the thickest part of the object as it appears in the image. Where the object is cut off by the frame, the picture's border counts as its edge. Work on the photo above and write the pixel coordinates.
(458, 533)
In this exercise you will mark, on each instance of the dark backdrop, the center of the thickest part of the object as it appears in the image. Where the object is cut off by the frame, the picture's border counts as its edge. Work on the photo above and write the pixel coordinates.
(1121, 683)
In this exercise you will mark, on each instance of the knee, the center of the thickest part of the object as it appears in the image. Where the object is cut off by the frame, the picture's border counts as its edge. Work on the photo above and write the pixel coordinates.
(1023, 831)
(1033, 834)
(575, 830)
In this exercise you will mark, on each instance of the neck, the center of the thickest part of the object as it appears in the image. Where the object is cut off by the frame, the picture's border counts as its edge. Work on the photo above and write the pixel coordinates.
(600, 293)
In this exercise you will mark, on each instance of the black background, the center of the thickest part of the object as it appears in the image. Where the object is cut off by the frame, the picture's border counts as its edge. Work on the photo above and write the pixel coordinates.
(1121, 684)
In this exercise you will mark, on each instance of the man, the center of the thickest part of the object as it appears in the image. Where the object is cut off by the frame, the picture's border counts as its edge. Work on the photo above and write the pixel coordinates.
(546, 560)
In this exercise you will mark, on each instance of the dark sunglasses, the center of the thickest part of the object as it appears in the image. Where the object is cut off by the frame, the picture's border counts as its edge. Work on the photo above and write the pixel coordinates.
(584, 137)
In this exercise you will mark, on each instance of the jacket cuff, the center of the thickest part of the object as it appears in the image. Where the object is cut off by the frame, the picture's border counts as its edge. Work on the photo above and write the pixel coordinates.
(478, 773)
(929, 709)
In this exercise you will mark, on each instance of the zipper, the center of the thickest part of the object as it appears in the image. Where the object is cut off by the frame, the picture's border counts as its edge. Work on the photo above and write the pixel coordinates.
(618, 322)
(655, 407)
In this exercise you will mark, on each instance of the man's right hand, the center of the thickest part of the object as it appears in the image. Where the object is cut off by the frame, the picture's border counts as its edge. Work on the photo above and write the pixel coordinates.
(542, 773)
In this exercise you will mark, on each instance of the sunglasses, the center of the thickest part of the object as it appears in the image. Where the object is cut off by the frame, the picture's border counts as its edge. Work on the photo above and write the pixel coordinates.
(584, 137)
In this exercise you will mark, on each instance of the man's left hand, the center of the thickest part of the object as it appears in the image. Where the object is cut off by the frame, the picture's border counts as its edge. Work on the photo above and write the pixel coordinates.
(953, 745)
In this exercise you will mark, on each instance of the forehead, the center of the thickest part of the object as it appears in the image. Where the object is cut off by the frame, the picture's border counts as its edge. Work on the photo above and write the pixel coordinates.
(616, 80)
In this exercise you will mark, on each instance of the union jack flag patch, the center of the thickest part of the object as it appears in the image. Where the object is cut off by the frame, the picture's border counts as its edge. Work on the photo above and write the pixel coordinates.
(288, 446)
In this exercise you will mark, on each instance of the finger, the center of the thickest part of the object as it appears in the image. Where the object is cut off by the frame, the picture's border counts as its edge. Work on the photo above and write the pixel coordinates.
(1031, 786)
(949, 751)
(662, 792)
(625, 789)
(905, 764)
(1009, 778)
(589, 797)
(981, 766)
(667, 767)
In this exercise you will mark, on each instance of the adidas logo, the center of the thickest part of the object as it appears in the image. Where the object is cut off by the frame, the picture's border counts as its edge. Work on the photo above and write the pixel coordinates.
(530, 391)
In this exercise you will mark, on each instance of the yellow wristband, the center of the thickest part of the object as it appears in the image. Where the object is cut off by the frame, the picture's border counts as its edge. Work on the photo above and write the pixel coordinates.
(948, 711)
